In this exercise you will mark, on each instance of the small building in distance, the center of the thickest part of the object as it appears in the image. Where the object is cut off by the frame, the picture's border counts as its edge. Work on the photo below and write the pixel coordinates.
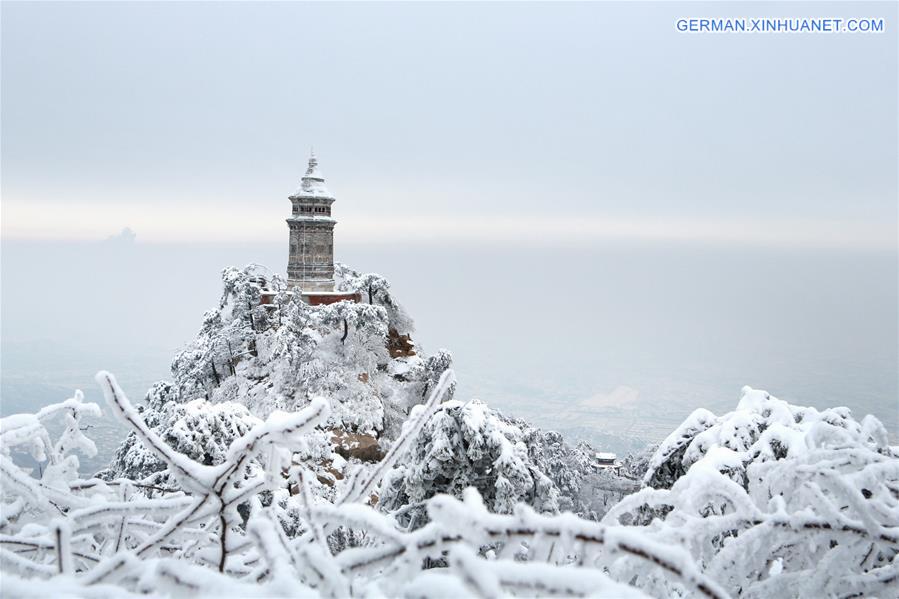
(607, 460)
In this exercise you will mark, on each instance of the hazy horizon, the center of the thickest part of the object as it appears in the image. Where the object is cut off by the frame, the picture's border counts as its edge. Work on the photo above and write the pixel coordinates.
(630, 339)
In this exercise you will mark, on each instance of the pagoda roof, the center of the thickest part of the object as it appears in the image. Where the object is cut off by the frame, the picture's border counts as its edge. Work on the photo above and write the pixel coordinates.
(313, 182)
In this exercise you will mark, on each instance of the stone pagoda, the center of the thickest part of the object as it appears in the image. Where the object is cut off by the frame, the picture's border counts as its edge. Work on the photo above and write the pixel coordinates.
(310, 265)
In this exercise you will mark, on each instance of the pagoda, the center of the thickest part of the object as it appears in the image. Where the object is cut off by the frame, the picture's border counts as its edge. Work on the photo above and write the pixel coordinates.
(310, 265)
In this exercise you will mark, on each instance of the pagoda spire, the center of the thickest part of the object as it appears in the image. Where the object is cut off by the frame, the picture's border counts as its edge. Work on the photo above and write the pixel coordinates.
(313, 182)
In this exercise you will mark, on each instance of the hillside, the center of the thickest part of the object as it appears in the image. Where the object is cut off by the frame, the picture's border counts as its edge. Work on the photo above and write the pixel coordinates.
(263, 349)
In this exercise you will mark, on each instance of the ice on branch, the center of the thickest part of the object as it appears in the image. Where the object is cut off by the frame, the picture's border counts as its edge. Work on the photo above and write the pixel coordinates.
(222, 529)
(776, 500)
(469, 445)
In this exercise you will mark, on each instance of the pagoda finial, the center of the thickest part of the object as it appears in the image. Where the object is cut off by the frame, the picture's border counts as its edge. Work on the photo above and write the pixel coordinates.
(313, 162)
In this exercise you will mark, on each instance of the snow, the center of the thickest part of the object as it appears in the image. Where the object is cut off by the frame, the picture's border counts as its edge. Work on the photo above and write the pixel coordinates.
(791, 487)
(822, 520)
(228, 484)
(313, 183)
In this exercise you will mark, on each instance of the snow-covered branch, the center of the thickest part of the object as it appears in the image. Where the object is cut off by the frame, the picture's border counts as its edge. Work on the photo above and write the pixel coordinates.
(362, 485)
(738, 515)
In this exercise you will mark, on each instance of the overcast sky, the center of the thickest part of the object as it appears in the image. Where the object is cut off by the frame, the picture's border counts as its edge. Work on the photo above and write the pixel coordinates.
(447, 121)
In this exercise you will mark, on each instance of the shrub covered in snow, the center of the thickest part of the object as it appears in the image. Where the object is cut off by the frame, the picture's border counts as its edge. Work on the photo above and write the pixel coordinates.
(776, 500)
(469, 445)
(635, 464)
(761, 429)
(375, 290)
(821, 521)
(197, 428)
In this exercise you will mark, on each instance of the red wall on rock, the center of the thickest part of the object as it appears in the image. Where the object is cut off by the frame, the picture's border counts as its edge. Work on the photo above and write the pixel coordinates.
(320, 299)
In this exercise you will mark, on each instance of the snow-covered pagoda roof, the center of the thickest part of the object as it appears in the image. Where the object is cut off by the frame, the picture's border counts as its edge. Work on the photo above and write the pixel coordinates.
(313, 183)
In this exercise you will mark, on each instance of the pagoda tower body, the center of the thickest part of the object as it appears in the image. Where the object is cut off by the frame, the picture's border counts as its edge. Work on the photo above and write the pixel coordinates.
(310, 265)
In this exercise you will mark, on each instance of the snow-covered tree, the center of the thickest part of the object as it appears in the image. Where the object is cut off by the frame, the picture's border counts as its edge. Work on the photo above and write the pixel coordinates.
(775, 500)
(820, 520)
(375, 289)
(198, 429)
(469, 445)
(761, 429)
(359, 331)
(635, 464)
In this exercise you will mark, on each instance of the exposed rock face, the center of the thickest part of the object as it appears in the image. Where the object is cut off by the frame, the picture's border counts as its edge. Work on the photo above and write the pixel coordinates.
(399, 346)
(360, 446)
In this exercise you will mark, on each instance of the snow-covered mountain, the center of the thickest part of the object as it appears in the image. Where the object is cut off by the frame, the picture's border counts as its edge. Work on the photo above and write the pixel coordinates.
(317, 451)
(264, 349)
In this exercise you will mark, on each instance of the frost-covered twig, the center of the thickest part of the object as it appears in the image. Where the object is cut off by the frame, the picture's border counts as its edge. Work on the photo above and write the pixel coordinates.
(824, 522)
(214, 486)
(362, 486)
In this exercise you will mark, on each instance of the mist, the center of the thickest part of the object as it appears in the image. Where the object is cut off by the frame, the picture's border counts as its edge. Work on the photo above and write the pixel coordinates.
(614, 343)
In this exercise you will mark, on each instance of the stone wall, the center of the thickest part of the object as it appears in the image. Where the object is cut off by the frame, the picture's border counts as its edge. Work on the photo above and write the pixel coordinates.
(310, 264)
